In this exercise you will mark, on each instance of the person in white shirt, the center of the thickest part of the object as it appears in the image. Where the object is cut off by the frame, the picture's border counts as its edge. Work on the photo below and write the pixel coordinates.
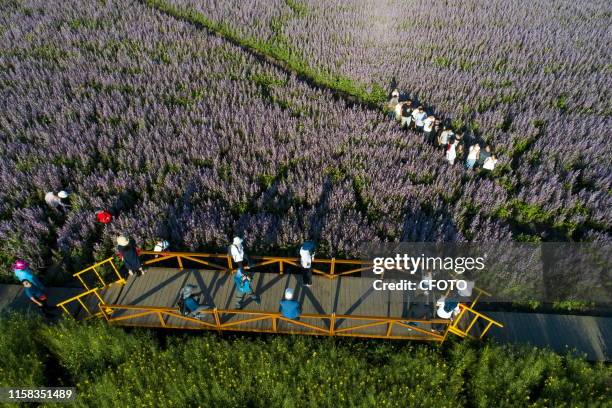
(472, 156)
(445, 137)
(451, 152)
(306, 258)
(238, 254)
(406, 114)
(428, 125)
(57, 201)
(419, 116)
(490, 162)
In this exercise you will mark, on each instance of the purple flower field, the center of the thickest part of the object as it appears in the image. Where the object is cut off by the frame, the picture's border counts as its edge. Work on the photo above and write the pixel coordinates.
(186, 137)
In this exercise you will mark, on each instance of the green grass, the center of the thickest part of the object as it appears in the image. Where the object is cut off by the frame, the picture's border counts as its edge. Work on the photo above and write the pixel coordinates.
(113, 367)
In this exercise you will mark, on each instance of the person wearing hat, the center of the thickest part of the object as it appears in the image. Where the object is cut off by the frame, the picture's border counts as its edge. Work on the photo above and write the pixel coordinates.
(306, 258)
(393, 102)
(244, 288)
(127, 250)
(189, 302)
(57, 202)
(38, 296)
(238, 254)
(290, 308)
(22, 272)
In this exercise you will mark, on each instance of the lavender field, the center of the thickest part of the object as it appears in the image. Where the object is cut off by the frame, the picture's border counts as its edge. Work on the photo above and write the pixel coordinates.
(188, 137)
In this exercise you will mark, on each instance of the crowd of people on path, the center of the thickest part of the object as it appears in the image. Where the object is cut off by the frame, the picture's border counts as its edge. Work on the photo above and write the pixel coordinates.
(456, 145)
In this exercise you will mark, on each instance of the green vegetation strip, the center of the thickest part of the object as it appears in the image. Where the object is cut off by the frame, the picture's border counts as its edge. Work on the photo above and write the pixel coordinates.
(111, 367)
(281, 56)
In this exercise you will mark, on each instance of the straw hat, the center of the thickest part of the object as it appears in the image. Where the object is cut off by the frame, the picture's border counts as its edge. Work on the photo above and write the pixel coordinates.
(237, 241)
(123, 241)
(62, 194)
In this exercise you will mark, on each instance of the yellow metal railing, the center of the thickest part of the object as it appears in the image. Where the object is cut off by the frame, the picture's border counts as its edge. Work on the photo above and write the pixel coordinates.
(327, 267)
(460, 330)
(95, 270)
(81, 299)
(331, 322)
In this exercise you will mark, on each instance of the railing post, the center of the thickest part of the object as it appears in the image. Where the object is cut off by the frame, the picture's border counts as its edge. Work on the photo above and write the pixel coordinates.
(333, 267)
(280, 266)
(82, 282)
(99, 277)
(332, 326)
(229, 263)
(389, 328)
(217, 319)
(274, 324)
(180, 262)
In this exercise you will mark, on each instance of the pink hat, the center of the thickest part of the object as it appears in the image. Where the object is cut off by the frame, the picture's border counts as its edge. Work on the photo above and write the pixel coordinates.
(20, 264)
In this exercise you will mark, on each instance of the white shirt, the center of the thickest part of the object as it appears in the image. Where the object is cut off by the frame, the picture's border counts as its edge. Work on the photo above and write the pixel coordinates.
(419, 117)
(451, 153)
(306, 258)
(52, 200)
(474, 152)
(398, 111)
(489, 163)
(445, 136)
(428, 124)
(237, 253)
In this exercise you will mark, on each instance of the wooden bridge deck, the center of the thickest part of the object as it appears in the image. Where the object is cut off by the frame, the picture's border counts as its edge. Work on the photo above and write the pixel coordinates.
(352, 299)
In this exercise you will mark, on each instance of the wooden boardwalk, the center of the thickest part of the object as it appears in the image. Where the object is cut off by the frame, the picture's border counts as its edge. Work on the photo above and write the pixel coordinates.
(351, 302)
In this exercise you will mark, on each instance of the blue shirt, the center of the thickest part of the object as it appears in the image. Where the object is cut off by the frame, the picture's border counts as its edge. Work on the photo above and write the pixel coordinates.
(191, 304)
(243, 285)
(26, 274)
(33, 292)
(290, 308)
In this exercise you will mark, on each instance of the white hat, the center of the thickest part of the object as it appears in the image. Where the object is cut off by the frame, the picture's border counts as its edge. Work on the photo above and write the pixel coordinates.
(62, 194)
(187, 291)
(161, 246)
(237, 241)
(288, 293)
(123, 241)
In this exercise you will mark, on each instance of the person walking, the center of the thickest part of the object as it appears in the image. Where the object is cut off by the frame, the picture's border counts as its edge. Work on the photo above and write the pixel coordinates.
(130, 254)
(445, 137)
(451, 152)
(490, 162)
(428, 125)
(21, 270)
(306, 258)
(406, 115)
(244, 288)
(419, 115)
(38, 296)
(239, 255)
(57, 202)
(472, 156)
(290, 308)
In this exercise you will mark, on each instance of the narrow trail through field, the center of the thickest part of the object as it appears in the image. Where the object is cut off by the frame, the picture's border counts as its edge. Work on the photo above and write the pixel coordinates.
(353, 93)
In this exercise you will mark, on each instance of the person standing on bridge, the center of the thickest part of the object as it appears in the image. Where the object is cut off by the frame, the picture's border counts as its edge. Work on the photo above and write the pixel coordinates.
(306, 258)
(290, 308)
(239, 256)
(129, 252)
(38, 296)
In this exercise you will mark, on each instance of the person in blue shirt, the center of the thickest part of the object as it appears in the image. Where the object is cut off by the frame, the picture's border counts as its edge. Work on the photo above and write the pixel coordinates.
(189, 302)
(290, 308)
(244, 288)
(22, 271)
(38, 296)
